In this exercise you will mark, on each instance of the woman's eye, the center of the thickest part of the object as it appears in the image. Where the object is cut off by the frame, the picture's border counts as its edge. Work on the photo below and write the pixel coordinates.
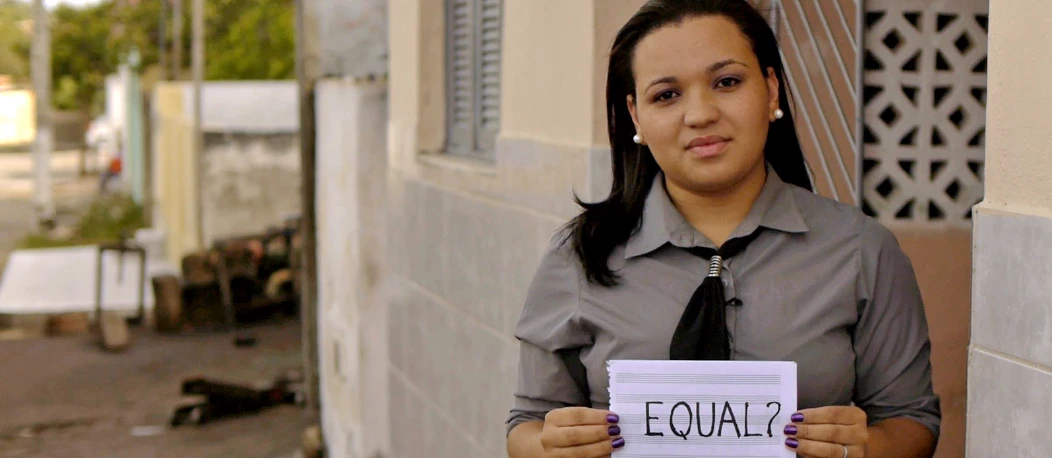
(727, 82)
(667, 95)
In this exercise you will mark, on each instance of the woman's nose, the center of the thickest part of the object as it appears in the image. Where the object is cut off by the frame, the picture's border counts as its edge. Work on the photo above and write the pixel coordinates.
(701, 110)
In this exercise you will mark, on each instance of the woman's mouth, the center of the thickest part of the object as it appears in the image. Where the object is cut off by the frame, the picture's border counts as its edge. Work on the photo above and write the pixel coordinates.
(707, 147)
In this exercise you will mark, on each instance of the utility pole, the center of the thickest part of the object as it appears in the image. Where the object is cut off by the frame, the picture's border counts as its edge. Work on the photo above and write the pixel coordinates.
(198, 57)
(308, 70)
(40, 57)
(177, 39)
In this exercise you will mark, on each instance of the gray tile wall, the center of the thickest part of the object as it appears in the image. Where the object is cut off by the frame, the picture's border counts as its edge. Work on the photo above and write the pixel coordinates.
(463, 250)
(1010, 359)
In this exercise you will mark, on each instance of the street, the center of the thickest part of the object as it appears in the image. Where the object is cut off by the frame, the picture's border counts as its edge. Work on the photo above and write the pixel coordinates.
(65, 397)
(16, 175)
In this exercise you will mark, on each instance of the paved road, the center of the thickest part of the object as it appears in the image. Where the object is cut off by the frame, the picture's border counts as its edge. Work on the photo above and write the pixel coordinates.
(62, 397)
(16, 175)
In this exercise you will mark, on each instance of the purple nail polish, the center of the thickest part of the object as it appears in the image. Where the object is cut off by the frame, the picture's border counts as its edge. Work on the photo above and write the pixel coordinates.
(792, 443)
(790, 430)
(614, 430)
(619, 442)
(797, 418)
(612, 418)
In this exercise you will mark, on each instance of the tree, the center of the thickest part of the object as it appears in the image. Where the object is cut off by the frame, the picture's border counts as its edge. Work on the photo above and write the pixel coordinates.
(82, 55)
(246, 39)
(250, 39)
(14, 38)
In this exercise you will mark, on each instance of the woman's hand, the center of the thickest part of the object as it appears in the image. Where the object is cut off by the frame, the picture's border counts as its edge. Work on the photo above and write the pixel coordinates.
(580, 432)
(828, 432)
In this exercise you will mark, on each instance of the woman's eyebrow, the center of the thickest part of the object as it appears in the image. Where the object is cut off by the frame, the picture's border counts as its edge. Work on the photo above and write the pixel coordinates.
(710, 69)
(723, 63)
(663, 79)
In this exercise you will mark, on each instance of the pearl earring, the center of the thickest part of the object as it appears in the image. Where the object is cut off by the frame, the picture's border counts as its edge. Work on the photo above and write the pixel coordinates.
(636, 138)
(779, 114)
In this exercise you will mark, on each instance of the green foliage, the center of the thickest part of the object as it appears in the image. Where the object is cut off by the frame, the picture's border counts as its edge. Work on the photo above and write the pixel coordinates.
(109, 216)
(250, 40)
(245, 39)
(90, 42)
(66, 95)
(14, 39)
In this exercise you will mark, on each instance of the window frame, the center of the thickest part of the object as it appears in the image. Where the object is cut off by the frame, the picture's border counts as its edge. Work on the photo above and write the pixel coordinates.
(473, 135)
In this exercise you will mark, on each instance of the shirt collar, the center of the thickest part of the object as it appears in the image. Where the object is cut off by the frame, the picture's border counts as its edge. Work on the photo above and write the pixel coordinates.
(775, 208)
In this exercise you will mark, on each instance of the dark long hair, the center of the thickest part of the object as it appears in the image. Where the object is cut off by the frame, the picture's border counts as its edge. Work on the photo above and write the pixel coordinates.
(605, 225)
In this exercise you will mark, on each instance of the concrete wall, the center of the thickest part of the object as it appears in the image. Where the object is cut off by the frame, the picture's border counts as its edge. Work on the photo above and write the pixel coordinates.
(352, 268)
(352, 35)
(941, 258)
(251, 182)
(175, 210)
(1010, 358)
(250, 166)
(258, 107)
(17, 118)
(116, 100)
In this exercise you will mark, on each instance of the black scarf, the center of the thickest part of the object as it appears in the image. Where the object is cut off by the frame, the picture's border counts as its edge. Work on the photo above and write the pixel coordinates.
(702, 331)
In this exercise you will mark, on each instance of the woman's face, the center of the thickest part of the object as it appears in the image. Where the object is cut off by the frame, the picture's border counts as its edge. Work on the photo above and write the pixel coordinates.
(703, 105)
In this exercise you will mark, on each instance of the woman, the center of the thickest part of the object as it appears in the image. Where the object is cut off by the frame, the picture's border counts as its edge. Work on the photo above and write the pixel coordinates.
(705, 155)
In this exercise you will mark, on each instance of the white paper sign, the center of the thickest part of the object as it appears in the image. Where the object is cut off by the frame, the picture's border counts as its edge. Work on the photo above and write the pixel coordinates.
(703, 408)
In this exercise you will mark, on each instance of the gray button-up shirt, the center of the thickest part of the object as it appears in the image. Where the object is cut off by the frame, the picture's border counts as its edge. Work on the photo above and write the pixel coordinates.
(823, 285)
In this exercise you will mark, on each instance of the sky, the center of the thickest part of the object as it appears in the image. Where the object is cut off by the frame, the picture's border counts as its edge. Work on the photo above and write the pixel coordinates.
(52, 3)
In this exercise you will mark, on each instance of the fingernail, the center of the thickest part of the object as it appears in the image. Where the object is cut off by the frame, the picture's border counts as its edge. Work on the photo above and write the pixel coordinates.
(792, 443)
(612, 418)
(797, 417)
(614, 430)
(790, 430)
(619, 442)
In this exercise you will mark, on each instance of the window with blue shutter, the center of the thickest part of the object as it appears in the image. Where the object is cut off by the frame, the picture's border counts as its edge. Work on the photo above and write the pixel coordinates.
(473, 49)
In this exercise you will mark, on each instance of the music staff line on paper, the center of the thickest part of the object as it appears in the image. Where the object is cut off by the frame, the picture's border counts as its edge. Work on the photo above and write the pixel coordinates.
(632, 398)
(700, 379)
